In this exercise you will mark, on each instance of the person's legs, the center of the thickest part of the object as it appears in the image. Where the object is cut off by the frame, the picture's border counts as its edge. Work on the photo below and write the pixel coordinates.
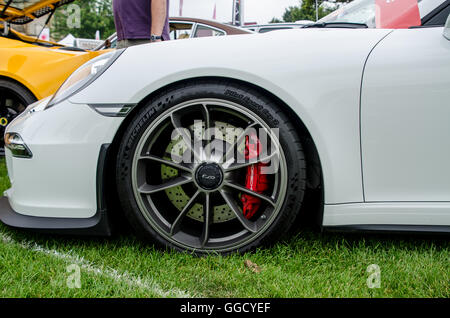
(131, 42)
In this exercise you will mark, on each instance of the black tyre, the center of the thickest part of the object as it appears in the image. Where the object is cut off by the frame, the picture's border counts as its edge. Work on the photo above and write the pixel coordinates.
(184, 186)
(14, 98)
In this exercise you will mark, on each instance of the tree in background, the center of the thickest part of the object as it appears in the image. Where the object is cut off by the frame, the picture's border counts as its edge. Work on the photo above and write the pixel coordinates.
(94, 15)
(276, 20)
(306, 10)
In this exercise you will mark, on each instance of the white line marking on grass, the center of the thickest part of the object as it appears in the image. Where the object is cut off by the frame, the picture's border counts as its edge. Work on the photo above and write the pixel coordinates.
(122, 277)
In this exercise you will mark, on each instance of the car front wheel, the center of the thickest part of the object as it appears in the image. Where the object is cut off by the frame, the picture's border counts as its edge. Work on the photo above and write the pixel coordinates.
(211, 166)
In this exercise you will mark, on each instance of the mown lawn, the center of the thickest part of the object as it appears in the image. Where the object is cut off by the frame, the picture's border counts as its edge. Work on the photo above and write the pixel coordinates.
(310, 264)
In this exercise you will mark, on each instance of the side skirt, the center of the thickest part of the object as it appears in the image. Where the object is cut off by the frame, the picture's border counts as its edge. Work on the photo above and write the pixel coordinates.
(381, 228)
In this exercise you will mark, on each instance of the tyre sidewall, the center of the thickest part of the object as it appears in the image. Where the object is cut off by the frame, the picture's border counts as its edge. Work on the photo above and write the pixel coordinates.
(28, 97)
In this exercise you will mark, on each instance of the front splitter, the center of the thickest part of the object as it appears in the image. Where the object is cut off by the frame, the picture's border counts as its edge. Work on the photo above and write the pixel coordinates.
(98, 225)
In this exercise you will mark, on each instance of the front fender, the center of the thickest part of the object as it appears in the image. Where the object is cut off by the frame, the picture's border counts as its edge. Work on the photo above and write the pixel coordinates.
(309, 70)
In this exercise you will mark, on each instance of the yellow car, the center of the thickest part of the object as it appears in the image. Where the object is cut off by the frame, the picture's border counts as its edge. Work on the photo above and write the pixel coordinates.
(31, 69)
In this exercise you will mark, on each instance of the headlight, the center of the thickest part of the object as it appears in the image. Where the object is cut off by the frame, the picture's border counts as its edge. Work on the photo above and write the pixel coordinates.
(84, 76)
(18, 148)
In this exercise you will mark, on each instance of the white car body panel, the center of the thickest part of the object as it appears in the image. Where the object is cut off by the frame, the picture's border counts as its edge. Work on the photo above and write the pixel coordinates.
(387, 213)
(326, 98)
(65, 139)
(405, 112)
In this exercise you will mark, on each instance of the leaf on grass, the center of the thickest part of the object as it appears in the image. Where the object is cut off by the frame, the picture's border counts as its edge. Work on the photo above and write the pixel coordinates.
(252, 266)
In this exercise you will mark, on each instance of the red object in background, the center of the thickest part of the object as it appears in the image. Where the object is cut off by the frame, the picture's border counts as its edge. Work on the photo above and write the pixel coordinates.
(397, 14)
(255, 180)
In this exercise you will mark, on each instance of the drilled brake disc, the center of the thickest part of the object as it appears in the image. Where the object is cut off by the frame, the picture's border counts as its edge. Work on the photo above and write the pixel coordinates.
(177, 195)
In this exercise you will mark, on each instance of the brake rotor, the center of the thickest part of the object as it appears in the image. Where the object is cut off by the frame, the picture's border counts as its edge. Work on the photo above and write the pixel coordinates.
(176, 195)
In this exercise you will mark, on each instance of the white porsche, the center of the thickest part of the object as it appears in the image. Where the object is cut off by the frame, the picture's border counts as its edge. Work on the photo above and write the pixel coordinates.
(214, 144)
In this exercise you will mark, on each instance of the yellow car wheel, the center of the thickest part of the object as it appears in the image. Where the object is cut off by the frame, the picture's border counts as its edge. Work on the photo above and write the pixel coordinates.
(14, 98)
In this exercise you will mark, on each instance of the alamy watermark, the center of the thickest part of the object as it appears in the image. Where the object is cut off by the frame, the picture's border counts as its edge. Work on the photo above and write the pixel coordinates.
(73, 13)
(374, 279)
(227, 146)
(74, 277)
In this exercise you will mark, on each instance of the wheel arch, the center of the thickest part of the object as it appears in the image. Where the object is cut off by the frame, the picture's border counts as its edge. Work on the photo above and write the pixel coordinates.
(314, 195)
(20, 83)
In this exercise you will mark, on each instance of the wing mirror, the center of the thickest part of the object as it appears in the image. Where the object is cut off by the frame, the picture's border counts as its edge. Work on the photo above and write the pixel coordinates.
(447, 29)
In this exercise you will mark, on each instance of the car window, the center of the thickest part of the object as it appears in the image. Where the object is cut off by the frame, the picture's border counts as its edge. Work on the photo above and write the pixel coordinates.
(204, 31)
(387, 14)
(179, 31)
(265, 30)
(440, 18)
(359, 11)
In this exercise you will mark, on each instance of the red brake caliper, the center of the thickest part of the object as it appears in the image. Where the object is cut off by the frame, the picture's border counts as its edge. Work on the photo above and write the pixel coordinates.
(255, 180)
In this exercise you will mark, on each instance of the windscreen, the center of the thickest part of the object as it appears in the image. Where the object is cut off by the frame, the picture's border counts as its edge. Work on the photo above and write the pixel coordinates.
(389, 14)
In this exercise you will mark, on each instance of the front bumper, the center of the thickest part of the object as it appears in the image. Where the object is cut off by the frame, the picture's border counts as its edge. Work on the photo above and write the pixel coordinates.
(98, 225)
(60, 186)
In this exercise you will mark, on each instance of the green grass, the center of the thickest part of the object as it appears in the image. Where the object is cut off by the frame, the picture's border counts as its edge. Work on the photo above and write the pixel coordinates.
(307, 265)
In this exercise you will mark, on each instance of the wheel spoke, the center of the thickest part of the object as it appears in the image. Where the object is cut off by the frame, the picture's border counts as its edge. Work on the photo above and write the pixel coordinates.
(188, 138)
(166, 162)
(174, 157)
(239, 139)
(250, 192)
(150, 189)
(235, 166)
(250, 226)
(207, 220)
(208, 125)
(3, 101)
(206, 117)
(175, 227)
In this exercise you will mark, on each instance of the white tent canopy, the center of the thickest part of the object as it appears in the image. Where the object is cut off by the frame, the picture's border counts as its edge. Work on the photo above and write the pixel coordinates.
(69, 40)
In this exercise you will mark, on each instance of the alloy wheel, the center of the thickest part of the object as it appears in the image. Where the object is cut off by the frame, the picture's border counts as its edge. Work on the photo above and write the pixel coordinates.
(189, 172)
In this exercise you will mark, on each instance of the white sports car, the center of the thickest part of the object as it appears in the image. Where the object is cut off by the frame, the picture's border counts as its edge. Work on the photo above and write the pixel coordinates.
(214, 144)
